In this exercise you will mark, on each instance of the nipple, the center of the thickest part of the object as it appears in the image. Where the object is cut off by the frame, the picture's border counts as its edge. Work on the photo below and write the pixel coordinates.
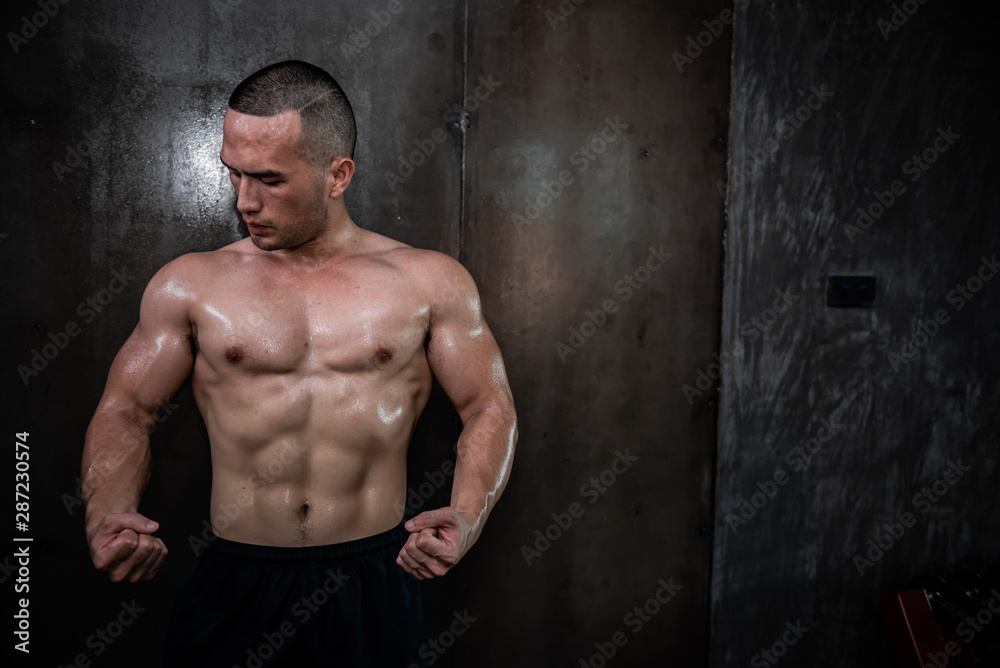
(235, 354)
(383, 356)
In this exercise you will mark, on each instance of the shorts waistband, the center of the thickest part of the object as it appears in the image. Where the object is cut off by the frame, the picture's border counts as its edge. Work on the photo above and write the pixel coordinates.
(371, 548)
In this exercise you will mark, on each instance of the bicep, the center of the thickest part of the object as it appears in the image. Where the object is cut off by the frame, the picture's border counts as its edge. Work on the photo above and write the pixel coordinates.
(156, 358)
(462, 352)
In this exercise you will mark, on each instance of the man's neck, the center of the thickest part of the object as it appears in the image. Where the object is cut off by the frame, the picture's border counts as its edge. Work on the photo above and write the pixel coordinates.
(341, 238)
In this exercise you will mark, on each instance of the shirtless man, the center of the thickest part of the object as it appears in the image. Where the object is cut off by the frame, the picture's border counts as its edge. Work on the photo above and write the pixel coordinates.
(311, 347)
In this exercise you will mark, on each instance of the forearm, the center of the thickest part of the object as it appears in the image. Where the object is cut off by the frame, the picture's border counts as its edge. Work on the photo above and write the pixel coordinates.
(116, 464)
(485, 454)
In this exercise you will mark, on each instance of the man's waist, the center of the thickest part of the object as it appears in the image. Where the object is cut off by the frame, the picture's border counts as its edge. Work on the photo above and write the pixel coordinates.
(379, 546)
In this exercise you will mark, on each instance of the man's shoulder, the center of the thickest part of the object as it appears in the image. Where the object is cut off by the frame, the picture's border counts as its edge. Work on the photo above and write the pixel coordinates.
(403, 257)
(430, 268)
(211, 260)
(192, 269)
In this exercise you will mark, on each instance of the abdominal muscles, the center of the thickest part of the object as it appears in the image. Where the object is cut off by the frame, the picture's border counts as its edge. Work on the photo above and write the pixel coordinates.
(309, 461)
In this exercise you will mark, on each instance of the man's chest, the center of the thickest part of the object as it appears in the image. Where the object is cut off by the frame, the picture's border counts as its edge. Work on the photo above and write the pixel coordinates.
(343, 323)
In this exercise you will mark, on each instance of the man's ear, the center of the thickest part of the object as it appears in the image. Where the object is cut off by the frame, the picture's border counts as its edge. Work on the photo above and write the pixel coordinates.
(338, 176)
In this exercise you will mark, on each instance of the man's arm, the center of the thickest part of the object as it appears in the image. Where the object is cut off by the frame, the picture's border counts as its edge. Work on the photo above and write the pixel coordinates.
(152, 365)
(464, 358)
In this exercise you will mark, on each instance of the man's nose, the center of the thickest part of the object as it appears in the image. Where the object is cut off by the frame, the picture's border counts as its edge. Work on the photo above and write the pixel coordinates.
(247, 200)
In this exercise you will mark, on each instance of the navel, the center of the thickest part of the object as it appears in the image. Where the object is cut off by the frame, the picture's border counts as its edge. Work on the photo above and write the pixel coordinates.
(305, 523)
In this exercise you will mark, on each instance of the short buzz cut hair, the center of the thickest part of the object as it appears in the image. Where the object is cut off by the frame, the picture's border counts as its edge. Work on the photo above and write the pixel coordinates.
(328, 128)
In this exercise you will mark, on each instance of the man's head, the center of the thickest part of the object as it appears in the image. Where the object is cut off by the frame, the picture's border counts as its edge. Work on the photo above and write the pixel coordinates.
(328, 128)
(288, 141)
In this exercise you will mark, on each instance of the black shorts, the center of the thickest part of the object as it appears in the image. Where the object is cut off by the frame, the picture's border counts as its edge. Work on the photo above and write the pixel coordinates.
(255, 606)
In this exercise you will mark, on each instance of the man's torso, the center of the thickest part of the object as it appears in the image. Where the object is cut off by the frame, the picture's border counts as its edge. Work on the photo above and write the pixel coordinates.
(310, 382)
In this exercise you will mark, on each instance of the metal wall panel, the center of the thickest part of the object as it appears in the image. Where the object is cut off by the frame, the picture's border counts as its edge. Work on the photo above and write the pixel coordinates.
(129, 97)
(594, 149)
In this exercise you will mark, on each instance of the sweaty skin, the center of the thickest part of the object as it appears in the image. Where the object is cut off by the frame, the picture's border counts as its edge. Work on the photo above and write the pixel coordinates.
(311, 348)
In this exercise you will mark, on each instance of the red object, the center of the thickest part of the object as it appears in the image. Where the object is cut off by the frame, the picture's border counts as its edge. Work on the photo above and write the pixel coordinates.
(920, 642)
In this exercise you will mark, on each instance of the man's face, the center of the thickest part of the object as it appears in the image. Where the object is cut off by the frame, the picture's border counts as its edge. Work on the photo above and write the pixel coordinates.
(277, 194)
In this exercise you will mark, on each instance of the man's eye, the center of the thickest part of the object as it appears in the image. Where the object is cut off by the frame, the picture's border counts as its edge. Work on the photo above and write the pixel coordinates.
(270, 183)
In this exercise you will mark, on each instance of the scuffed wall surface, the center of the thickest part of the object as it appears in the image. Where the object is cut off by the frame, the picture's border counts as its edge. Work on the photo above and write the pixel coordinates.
(885, 403)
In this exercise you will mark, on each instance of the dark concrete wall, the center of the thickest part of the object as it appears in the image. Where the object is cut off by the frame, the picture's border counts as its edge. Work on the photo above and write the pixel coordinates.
(887, 418)
(137, 90)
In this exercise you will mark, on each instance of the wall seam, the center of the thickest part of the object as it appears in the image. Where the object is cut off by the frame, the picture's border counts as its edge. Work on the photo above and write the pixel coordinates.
(465, 129)
(711, 655)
